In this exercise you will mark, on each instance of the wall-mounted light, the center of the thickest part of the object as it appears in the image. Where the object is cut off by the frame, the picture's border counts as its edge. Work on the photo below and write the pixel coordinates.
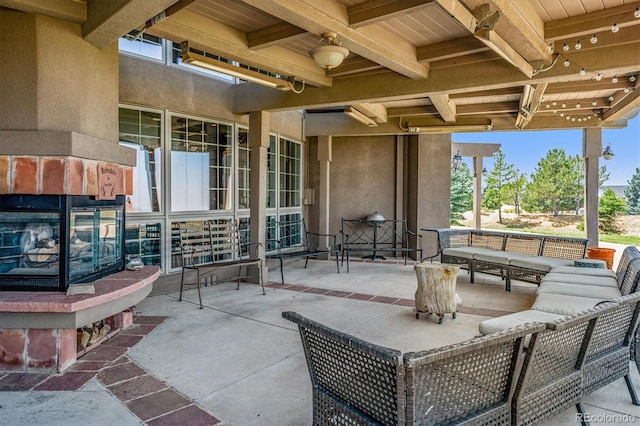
(360, 116)
(211, 64)
(456, 160)
(608, 153)
(330, 55)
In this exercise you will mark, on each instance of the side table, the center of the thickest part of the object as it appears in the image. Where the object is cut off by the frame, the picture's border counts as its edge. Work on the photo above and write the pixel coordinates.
(436, 292)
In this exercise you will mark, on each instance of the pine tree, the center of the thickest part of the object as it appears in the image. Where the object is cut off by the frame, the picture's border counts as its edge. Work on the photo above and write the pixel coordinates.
(461, 193)
(499, 183)
(632, 192)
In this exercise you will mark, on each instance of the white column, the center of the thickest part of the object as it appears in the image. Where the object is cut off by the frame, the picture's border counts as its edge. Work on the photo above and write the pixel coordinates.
(591, 151)
(325, 154)
(259, 142)
(477, 192)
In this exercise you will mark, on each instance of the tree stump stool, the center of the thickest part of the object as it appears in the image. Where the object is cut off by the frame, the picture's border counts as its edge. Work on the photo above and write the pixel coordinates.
(436, 292)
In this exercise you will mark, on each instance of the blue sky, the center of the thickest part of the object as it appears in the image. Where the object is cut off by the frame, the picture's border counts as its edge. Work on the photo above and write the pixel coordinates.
(525, 148)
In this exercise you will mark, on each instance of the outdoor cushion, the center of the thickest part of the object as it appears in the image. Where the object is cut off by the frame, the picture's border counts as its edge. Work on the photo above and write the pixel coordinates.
(581, 279)
(562, 304)
(465, 252)
(494, 325)
(576, 270)
(499, 257)
(592, 291)
(539, 263)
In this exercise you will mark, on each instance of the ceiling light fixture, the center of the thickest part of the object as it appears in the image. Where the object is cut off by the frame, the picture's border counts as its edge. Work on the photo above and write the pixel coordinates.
(360, 116)
(211, 64)
(451, 128)
(331, 55)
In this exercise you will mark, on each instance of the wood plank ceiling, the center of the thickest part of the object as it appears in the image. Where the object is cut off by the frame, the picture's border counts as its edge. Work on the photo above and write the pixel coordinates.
(428, 64)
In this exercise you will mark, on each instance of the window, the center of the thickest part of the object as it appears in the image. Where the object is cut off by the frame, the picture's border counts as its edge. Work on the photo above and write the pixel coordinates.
(142, 131)
(290, 162)
(244, 167)
(201, 165)
(146, 46)
(144, 241)
(271, 173)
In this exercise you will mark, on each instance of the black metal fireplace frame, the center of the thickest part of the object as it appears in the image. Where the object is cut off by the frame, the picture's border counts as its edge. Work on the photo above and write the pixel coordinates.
(62, 204)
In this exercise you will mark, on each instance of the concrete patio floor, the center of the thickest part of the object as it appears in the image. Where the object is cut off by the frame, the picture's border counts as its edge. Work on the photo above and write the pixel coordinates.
(238, 362)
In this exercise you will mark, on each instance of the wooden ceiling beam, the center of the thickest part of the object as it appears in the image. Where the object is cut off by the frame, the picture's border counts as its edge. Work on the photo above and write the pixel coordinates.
(492, 108)
(450, 49)
(586, 86)
(273, 35)
(376, 111)
(376, 44)
(624, 107)
(591, 23)
(374, 11)
(487, 93)
(412, 110)
(445, 107)
(388, 86)
(68, 10)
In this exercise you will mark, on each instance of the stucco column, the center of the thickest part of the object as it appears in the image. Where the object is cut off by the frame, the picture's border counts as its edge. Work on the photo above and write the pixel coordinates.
(477, 192)
(325, 154)
(429, 185)
(259, 143)
(591, 151)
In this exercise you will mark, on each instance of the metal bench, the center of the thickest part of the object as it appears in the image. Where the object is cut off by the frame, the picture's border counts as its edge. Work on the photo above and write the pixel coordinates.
(294, 241)
(376, 237)
(207, 246)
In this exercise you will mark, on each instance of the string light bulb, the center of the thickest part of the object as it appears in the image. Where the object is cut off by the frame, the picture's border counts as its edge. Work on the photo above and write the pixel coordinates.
(578, 45)
(632, 78)
(594, 103)
(614, 79)
(578, 105)
(610, 98)
(566, 63)
(582, 71)
(627, 90)
(594, 39)
(636, 14)
(615, 28)
(598, 77)
(565, 48)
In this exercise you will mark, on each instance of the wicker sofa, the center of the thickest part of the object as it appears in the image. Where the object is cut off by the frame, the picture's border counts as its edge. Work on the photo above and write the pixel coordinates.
(490, 380)
(526, 257)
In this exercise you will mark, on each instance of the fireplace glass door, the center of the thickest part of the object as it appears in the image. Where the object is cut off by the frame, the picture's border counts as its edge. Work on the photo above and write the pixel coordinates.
(94, 240)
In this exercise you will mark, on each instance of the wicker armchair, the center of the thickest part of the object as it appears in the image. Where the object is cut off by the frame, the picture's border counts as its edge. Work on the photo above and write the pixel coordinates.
(472, 381)
(355, 382)
(551, 378)
(607, 358)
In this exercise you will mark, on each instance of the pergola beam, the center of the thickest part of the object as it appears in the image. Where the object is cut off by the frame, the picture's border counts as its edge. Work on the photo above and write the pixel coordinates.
(68, 10)
(376, 111)
(450, 49)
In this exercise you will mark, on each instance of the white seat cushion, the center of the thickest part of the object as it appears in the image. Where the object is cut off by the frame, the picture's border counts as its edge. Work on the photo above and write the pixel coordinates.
(465, 252)
(592, 291)
(576, 270)
(562, 304)
(539, 263)
(494, 325)
(581, 280)
(498, 257)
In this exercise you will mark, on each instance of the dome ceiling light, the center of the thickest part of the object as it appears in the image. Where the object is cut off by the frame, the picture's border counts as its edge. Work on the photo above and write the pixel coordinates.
(330, 55)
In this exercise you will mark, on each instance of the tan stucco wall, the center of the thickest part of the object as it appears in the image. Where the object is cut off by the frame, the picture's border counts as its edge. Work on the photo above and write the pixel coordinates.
(362, 178)
(54, 80)
(154, 85)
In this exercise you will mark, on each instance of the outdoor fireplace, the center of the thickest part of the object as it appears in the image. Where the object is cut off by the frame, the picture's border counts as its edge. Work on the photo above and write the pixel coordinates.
(49, 242)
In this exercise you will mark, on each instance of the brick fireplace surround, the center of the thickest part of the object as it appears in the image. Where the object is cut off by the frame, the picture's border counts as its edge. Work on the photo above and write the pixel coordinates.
(39, 329)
